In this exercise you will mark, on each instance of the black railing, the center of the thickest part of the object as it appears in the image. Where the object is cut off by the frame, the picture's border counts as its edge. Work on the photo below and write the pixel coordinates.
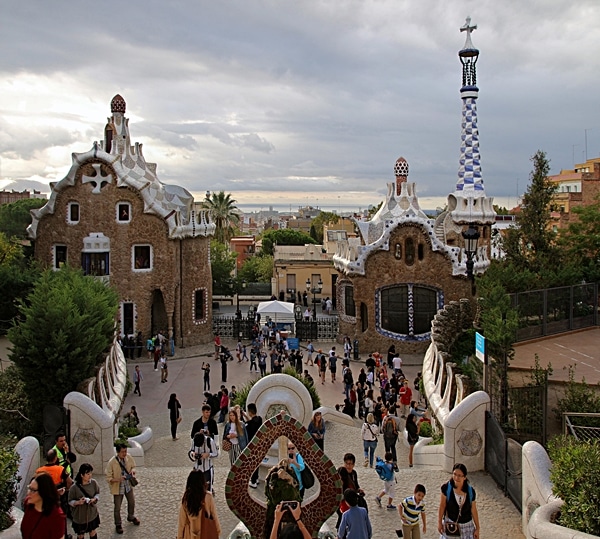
(555, 310)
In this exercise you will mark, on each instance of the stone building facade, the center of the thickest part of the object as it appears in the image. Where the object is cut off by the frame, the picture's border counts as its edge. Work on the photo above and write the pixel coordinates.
(112, 217)
(408, 266)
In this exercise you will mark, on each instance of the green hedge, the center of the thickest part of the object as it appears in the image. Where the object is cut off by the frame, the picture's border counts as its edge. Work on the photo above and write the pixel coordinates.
(9, 462)
(575, 477)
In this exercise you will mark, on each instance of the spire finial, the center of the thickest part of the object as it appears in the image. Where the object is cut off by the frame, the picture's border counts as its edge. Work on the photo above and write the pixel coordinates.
(469, 29)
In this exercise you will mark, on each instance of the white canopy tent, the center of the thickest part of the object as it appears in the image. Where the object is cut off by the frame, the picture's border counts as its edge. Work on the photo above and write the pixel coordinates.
(279, 311)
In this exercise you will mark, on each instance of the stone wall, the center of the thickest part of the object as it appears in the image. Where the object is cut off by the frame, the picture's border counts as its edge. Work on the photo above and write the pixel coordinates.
(382, 269)
(179, 266)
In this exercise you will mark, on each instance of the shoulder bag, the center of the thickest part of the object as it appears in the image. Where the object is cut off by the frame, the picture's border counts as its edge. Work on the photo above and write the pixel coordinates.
(208, 526)
(132, 480)
(451, 528)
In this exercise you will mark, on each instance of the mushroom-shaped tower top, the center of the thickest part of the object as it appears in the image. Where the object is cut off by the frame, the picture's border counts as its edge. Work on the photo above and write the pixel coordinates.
(401, 167)
(117, 104)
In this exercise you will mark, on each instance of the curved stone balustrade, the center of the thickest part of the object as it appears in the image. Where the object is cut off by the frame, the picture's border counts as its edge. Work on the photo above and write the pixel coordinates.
(461, 416)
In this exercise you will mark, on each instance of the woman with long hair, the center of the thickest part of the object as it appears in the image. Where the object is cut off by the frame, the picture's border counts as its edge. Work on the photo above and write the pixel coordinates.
(458, 506)
(316, 428)
(196, 499)
(83, 499)
(412, 431)
(369, 433)
(174, 416)
(43, 517)
(235, 432)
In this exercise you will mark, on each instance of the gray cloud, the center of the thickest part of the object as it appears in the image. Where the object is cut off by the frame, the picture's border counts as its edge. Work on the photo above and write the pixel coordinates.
(318, 96)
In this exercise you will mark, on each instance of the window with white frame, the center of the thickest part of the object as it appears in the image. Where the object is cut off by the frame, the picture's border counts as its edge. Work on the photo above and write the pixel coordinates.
(73, 213)
(123, 212)
(142, 257)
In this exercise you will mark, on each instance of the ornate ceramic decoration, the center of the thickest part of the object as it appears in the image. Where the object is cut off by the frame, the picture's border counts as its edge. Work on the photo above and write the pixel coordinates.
(85, 441)
(253, 513)
(470, 443)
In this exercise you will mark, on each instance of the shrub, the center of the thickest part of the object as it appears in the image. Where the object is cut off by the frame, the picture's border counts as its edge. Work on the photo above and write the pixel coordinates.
(575, 476)
(14, 404)
(9, 462)
(579, 398)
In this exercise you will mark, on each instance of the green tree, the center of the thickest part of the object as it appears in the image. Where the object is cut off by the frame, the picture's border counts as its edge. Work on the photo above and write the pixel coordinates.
(285, 236)
(16, 217)
(222, 263)
(324, 218)
(257, 269)
(531, 243)
(224, 213)
(10, 250)
(9, 466)
(14, 404)
(581, 240)
(16, 281)
(65, 326)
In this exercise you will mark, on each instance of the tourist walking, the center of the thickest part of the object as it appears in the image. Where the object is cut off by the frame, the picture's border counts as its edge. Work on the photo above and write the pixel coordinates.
(235, 435)
(174, 415)
(369, 434)
(206, 369)
(120, 474)
(197, 506)
(412, 432)
(410, 509)
(458, 506)
(83, 500)
(137, 378)
(355, 523)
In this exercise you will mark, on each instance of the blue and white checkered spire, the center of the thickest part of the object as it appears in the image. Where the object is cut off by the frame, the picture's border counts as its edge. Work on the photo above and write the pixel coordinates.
(469, 172)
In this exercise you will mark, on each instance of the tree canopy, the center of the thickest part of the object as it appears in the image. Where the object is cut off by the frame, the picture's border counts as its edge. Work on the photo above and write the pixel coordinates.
(224, 213)
(64, 327)
(222, 263)
(324, 218)
(285, 236)
(15, 217)
(530, 244)
(257, 269)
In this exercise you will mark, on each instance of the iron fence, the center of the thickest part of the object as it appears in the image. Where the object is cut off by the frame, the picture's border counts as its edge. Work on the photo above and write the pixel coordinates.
(583, 426)
(555, 310)
(324, 329)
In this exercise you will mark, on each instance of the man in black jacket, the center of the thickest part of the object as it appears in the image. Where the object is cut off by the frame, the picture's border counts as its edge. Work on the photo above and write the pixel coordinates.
(205, 424)
(253, 423)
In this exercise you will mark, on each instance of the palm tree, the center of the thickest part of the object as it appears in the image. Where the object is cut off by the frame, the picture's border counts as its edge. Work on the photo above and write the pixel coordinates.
(223, 213)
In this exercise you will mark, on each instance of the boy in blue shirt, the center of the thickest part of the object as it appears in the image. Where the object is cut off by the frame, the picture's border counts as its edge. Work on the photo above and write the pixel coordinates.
(355, 523)
(409, 510)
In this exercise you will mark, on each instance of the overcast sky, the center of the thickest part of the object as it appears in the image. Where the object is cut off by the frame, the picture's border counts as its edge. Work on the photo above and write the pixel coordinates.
(288, 103)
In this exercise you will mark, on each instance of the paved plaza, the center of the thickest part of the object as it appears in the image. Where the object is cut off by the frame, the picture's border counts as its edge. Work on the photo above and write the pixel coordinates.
(162, 480)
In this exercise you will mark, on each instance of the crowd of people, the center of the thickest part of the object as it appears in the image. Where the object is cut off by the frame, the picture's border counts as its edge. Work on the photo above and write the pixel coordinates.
(380, 395)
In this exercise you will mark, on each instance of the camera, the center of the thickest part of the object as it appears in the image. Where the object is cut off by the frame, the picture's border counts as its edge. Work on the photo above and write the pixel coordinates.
(288, 505)
(291, 455)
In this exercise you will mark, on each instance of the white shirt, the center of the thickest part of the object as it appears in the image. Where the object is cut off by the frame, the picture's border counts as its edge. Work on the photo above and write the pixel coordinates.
(397, 363)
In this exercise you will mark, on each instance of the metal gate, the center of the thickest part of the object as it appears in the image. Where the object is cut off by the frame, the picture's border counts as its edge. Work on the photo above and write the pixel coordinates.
(503, 460)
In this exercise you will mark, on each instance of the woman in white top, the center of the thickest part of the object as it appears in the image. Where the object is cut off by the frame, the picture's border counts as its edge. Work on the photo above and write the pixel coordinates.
(369, 433)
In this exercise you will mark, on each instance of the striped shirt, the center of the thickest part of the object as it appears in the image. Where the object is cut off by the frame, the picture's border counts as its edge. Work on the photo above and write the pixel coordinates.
(412, 510)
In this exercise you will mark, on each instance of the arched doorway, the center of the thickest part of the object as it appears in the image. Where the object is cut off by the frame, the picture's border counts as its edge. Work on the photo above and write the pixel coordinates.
(159, 313)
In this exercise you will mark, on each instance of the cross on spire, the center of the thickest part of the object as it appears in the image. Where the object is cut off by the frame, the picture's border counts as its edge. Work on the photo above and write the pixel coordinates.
(469, 29)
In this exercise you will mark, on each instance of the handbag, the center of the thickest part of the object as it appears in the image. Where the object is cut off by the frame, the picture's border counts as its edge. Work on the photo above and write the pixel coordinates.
(308, 478)
(226, 444)
(132, 480)
(451, 528)
(208, 526)
(179, 419)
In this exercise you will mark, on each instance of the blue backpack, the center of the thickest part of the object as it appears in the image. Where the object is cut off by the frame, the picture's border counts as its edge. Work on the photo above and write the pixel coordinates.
(383, 470)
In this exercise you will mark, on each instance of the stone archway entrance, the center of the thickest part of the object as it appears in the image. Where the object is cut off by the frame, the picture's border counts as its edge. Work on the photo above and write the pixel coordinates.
(159, 313)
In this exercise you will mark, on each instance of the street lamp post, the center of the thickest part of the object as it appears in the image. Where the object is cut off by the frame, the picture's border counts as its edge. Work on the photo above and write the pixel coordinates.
(314, 290)
(239, 286)
(471, 237)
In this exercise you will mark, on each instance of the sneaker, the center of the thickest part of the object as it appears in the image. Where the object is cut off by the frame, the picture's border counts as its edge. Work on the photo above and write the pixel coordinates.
(253, 485)
(378, 500)
(390, 506)
(155, 370)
